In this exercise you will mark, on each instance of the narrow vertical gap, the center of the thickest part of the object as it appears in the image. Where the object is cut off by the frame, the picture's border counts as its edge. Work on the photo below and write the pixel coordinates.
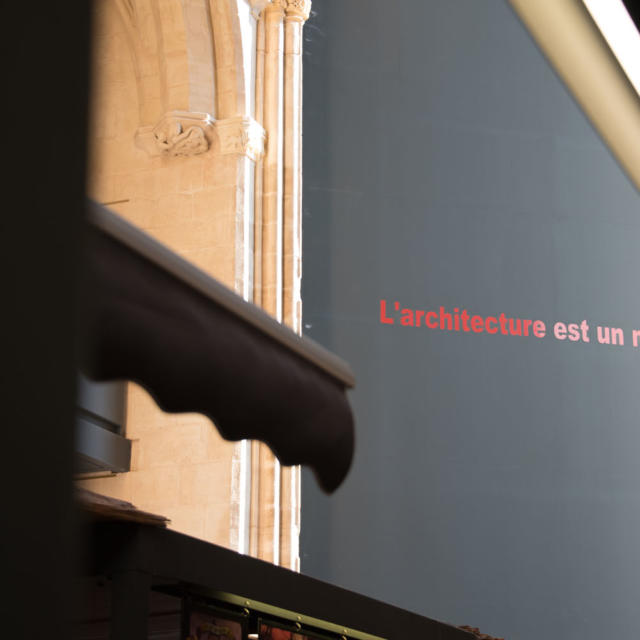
(276, 511)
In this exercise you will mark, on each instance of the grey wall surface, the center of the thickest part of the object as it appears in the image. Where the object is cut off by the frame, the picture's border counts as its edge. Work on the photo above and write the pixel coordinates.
(496, 481)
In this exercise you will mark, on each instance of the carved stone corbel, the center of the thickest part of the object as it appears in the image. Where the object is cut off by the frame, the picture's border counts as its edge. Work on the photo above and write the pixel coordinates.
(178, 133)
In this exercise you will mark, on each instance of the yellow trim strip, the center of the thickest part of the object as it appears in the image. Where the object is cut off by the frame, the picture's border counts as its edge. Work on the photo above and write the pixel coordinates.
(294, 617)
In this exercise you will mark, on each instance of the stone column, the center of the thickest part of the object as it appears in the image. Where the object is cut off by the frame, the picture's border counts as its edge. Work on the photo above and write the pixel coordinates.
(257, 207)
(265, 469)
(296, 13)
(275, 492)
(273, 16)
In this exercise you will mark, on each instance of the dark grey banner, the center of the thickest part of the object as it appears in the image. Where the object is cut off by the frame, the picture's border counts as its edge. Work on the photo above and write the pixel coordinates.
(470, 247)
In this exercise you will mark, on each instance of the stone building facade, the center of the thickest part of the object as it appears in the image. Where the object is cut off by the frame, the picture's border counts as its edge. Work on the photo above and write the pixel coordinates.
(196, 139)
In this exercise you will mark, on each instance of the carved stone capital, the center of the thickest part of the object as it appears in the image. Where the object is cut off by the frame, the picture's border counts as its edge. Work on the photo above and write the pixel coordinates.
(297, 9)
(178, 133)
(241, 135)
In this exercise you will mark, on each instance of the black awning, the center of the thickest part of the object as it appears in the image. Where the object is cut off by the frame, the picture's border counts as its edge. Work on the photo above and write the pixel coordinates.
(195, 346)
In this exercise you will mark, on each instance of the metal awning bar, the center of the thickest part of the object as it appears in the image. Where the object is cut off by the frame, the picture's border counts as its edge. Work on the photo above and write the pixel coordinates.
(126, 233)
(99, 449)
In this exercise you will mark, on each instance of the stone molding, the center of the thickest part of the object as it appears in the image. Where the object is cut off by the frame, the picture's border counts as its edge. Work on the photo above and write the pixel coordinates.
(241, 135)
(257, 6)
(184, 133)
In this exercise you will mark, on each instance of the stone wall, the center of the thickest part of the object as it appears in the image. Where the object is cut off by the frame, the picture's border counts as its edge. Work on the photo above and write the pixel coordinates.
(184, 109)
(181, 467)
